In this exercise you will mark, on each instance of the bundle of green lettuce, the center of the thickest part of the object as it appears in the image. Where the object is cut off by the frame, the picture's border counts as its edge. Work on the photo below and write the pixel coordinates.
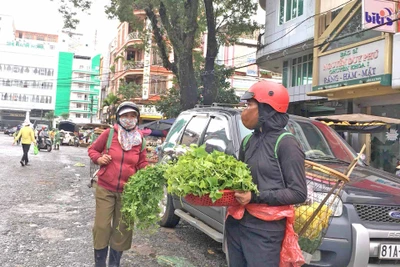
(200, 173)
(142, 196)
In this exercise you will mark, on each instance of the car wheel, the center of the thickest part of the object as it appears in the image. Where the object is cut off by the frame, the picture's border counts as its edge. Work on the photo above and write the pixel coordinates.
(167, 215)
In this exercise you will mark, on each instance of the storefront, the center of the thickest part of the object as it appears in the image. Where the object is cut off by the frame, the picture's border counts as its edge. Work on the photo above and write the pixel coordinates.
(354, 62)
(11, 118)
(149, 113)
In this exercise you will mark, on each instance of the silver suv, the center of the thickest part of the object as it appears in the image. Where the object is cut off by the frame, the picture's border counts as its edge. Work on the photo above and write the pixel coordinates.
(365, 229)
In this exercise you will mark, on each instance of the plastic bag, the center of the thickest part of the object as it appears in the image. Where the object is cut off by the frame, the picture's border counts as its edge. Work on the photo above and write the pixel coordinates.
(35, 150)
(291, 254)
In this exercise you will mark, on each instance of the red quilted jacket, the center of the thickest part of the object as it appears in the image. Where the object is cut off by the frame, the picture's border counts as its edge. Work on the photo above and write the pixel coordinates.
(123, 164)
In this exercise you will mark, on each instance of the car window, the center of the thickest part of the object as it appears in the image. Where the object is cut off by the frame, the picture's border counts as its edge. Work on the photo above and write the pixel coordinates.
(318, 141)
(217, 136)
(311, 139)
(193, 130)
(176, 130)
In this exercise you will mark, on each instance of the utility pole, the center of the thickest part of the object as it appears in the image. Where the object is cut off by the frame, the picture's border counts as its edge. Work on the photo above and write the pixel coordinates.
(91, 108)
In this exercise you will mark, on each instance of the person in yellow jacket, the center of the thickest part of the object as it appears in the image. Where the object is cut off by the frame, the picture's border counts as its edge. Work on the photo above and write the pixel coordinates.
(27, 138)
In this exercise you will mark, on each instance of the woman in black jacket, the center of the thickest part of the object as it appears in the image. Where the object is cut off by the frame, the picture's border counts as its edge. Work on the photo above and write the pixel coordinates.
(278, 171)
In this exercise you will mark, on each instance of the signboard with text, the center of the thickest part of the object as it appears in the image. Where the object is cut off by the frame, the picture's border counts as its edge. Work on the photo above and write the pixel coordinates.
(379, 12)
(362, 64)
(149, 110)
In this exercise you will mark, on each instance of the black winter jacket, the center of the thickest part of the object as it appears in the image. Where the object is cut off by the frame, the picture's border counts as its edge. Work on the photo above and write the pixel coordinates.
(280, 183)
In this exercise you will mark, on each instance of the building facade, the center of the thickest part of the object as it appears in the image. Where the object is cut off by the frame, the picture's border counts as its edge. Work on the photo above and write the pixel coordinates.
(78, 89)
(286, 47)
(28, 75)
(335, 59)
(355, 60)
(133, 62)
(243, 53)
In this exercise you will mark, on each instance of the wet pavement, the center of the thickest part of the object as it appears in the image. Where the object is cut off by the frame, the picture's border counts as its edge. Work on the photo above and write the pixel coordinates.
(47, 213)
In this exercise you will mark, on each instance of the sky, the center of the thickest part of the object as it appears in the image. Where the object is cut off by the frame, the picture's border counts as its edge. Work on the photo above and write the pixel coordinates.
(43, 16)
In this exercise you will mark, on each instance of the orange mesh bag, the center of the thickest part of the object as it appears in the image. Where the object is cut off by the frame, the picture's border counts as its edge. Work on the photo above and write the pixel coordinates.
(291, 255)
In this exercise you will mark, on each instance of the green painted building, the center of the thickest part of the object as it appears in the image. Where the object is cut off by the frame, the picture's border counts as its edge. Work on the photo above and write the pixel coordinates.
(78, 87)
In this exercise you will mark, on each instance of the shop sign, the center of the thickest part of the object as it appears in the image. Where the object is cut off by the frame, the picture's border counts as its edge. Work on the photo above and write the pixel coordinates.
(252, 70)
(149, 110)
(395, 62)
(379, 12)
(362, 64)
(392, 135)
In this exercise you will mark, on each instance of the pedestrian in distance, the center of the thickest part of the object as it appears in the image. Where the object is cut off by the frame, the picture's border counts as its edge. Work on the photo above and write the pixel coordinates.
(27, 136)
(276, 162)
(119, 160)
(56, 139)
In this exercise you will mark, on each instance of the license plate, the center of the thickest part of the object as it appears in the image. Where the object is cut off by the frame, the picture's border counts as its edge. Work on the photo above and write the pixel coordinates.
(389, 251)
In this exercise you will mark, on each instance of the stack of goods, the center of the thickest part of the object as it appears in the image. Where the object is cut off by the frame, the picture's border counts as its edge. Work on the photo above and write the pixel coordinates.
(152, 146)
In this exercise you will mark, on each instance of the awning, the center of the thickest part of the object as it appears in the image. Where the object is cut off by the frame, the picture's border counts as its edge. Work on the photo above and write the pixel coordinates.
(358, 117)
(151, 117)
(358, 123)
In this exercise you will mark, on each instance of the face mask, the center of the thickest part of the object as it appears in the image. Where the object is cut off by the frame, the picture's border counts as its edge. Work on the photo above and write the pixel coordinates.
(250, 117)
(128, 123)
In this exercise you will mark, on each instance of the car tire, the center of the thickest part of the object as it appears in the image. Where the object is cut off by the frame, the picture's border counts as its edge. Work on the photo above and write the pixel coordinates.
(168, 218)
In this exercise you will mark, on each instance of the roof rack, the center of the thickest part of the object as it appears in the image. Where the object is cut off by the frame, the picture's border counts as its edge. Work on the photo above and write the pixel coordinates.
(220, 105)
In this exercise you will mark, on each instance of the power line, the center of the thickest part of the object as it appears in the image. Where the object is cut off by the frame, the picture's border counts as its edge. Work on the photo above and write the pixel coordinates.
(322, 44)
(294, 27)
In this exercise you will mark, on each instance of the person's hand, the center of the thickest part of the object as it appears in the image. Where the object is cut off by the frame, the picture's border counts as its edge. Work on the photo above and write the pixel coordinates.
(243, 197)
(104, 160)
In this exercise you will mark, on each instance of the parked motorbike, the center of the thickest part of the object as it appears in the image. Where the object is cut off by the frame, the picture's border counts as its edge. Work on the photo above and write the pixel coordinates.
(45, 143)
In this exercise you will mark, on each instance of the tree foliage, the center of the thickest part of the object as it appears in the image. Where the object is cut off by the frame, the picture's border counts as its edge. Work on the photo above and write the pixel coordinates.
(111, 101)
(64, 115)
(50, 116)
(170, 106)
(129, 90)
(176, 26)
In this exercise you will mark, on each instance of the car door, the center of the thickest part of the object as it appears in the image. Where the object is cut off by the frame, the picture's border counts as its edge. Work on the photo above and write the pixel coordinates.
(217, 136)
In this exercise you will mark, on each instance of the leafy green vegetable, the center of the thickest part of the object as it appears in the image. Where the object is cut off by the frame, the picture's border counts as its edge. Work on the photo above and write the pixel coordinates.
(141, 197)
(199, 173)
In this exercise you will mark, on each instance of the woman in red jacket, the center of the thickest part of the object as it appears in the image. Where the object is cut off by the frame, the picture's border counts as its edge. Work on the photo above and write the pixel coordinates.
(124, 158)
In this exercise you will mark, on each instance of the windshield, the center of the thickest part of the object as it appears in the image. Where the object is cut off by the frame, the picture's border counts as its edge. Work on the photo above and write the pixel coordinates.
(317, 140)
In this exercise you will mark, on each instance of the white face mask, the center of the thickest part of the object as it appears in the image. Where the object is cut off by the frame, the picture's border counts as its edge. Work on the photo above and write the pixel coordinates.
(128, 123)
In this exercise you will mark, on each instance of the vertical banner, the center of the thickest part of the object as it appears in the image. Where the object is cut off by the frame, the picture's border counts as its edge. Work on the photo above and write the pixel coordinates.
(146, 67)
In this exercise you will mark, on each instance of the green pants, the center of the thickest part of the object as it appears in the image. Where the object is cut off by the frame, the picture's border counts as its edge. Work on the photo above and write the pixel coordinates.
(107, 220)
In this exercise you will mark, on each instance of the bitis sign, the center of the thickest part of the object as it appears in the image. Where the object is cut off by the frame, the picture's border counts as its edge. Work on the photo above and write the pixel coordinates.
(379, 12)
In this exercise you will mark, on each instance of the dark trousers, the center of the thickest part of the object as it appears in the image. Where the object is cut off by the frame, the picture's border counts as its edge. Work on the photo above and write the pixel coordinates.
(249, 247)
(25, 148)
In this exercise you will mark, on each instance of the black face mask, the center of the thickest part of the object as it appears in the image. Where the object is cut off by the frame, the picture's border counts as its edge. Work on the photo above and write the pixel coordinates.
(265, 113)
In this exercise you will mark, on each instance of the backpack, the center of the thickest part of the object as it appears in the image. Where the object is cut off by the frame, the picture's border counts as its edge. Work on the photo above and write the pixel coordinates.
(247, 138)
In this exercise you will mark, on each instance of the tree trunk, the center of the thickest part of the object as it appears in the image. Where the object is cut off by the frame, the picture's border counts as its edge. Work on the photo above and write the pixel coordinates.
(187, 80)
(208, 77)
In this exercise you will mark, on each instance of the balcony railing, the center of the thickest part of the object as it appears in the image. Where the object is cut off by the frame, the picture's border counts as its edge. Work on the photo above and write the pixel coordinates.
(134, 65)
(132, 36)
